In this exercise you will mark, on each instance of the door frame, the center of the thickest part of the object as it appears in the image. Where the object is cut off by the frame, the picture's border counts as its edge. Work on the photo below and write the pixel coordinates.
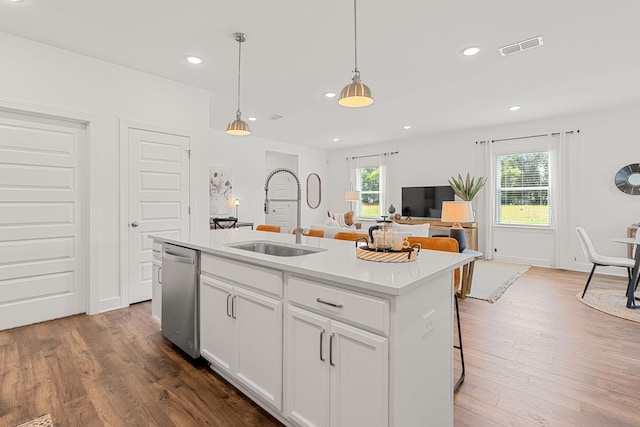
(125, 256)
(94, 129)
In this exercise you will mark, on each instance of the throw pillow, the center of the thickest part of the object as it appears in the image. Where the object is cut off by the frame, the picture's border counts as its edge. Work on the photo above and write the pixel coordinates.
(348, 218)
(331, 222)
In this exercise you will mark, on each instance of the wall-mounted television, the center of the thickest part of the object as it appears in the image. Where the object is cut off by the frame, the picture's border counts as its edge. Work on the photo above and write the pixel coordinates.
(425, 202)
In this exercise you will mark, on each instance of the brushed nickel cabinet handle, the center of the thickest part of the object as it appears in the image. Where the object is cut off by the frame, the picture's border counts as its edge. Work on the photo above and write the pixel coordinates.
(331, 362)
(233, 307)
(332, 304)
(228, 298)
(322, 359)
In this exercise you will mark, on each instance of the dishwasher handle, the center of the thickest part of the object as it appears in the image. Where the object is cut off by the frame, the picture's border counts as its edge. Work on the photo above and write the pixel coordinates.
(182, 259)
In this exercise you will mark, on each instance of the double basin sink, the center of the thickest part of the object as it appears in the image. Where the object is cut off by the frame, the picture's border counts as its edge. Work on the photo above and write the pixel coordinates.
(276, 249)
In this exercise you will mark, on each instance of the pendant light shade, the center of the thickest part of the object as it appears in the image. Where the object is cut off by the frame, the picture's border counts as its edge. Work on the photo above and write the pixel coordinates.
(355, 94)
(239, 126)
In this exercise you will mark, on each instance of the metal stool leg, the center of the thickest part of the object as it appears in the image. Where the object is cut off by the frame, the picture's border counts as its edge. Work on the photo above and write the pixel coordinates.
(459, 347)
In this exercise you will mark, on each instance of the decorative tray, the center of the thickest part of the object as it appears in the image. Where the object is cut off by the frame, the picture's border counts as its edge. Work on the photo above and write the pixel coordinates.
(404, 255)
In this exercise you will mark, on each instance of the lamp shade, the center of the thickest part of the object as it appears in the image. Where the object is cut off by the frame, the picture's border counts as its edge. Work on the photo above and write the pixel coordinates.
(351, 196)
(356, 94)
(458, 211)
(237, 202)
(238, 127)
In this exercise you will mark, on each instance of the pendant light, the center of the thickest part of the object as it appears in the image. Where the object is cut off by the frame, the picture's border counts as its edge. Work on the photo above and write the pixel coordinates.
(355, 94)
(238, 126)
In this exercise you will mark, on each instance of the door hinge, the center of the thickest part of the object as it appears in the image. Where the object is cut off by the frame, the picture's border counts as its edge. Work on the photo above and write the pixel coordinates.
(188, 153)
(189, 210)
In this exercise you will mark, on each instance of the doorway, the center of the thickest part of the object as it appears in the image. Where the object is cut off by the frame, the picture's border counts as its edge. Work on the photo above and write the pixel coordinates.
(282, 186)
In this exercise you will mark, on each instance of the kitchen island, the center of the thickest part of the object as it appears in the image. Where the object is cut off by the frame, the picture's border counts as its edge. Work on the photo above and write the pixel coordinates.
(325, 338)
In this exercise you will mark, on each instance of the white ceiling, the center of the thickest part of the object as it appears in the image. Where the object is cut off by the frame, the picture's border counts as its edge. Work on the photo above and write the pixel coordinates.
(409, 54)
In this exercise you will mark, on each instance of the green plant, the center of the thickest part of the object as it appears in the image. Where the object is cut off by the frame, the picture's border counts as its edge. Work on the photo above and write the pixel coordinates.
(467, 188)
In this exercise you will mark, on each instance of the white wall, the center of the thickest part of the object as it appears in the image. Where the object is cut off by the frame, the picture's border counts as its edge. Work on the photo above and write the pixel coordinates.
(246, 157)
(607, 141)
(50, 78)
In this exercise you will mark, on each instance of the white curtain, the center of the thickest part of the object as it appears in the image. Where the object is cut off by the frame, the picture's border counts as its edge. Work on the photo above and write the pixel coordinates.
(387, 187)
(486, 199)
(562, 164)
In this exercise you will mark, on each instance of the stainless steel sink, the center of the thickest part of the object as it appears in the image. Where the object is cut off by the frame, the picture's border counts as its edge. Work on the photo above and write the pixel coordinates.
(276, 249)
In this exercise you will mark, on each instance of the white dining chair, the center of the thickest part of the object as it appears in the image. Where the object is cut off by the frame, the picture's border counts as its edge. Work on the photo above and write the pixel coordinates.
(597, 259)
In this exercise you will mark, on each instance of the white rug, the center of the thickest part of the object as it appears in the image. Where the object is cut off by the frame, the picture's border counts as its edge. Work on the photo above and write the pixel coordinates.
(492, 278)
(610, 301)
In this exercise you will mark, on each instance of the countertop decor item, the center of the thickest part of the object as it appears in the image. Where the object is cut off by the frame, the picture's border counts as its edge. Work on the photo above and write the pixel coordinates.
(404, 255)
(467, 188)
(627, 179)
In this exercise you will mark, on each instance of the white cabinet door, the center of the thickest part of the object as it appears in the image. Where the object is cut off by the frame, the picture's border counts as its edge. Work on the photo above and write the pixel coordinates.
(359, 377)
(217, 329)
(307, 368)
(258, 323)
(156, 289)
(337, 375)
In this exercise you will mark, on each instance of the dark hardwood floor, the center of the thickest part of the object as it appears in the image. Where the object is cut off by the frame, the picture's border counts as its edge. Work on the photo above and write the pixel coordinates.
(537, 357)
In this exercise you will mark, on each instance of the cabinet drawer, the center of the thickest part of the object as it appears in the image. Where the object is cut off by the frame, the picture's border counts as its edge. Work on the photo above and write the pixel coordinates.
(362, 310)
(263, 279)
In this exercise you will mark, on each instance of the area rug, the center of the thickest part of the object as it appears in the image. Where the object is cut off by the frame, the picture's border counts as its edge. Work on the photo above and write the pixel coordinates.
(42, 421)
(610, 301)
(492, 278)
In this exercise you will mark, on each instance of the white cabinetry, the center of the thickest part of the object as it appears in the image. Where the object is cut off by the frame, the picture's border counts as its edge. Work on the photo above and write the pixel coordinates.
(156, 280)
(337, 374)
(241, 334)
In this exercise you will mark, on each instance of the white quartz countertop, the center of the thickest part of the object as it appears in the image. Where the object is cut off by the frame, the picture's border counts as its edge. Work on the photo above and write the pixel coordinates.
(338, 263)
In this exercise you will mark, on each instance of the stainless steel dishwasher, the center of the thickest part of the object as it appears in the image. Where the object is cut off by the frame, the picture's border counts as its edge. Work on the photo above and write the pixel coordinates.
(180, 314)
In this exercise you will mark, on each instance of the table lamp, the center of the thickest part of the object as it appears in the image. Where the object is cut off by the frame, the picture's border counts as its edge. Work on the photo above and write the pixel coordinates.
(457, 212)
(351, 196)
(237, 203)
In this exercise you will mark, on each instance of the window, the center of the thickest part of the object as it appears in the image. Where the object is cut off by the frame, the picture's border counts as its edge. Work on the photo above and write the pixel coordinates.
(368, 181)
(522, 189)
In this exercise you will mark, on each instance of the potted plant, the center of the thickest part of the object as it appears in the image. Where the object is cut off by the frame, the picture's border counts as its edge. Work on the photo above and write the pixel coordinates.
(467, 188)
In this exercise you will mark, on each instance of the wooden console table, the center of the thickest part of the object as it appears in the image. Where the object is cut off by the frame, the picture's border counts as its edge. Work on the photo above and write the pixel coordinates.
(470, 229)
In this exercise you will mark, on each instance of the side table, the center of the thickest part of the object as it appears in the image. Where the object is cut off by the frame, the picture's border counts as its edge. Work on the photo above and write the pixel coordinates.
(467, 272)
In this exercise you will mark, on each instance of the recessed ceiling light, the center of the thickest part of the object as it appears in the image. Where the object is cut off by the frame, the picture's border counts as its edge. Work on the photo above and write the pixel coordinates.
(406, 127)
(514, 108)
(251, 119)
(470, 51)
(193, 59)
(336, 139)
(16, 1)
(330, 94)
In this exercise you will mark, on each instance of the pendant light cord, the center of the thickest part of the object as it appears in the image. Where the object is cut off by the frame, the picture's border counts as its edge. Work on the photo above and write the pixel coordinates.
(240, 38)
(355, 36)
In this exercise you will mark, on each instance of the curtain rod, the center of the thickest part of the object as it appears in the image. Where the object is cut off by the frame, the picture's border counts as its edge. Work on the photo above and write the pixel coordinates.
(568, 132)
(373, 155)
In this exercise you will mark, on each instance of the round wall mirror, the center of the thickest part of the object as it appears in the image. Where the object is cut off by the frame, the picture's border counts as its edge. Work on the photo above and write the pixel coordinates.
(627, 179)
(314, 191)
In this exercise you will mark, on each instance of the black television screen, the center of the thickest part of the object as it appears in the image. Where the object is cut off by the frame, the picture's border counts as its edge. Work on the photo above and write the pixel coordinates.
(425, 202)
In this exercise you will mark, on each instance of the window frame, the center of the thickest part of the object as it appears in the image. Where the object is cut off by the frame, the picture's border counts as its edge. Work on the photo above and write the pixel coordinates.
(498, 188)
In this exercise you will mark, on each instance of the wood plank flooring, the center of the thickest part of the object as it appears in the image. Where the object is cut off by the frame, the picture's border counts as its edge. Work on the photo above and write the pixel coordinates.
(537, 357)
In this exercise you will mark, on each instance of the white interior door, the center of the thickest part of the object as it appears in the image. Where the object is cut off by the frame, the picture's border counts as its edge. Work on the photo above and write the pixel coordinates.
(282, 186)
(158, 199)
(43, 227)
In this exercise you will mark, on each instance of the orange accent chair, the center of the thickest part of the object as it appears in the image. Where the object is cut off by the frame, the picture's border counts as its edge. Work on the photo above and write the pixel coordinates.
(446, 244)
(311, 232)
(343, 235)
(271, 228)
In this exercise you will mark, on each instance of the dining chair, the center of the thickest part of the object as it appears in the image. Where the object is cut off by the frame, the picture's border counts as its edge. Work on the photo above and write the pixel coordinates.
(600, 260)
(271, 228)
(311, 232)
(446, 244)
(343, 235)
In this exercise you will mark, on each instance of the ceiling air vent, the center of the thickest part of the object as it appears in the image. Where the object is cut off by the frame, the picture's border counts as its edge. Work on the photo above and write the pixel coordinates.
(520, 46)
(275, 117)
